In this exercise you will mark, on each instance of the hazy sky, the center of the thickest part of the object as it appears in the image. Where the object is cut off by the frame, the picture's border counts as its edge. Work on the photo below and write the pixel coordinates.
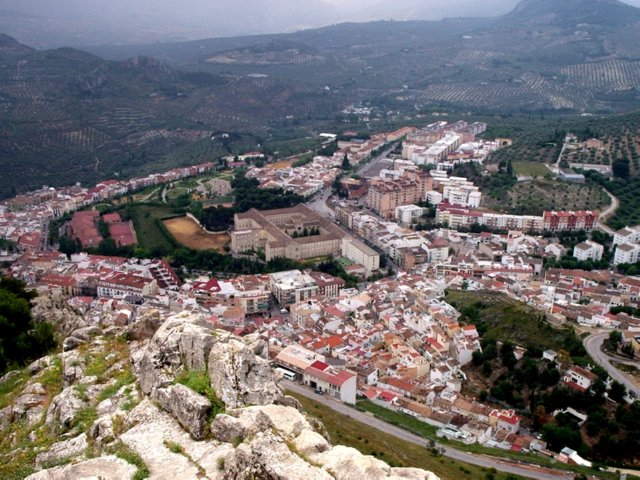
(46, 23)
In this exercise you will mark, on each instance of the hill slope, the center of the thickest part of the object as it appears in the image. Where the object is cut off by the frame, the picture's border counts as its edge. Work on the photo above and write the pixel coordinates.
(71, 116)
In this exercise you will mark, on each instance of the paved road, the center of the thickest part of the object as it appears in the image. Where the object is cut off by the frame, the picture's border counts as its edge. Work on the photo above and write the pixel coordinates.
(529, 471)
(319, 205)
(593, 344)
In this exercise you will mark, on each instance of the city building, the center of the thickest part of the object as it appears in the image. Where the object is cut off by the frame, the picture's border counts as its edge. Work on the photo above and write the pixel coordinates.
(339, 384)
(588, 250)
(292, 287)
(296, 233)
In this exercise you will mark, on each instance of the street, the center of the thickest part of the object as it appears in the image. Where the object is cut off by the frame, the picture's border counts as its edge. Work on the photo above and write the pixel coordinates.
(593, 344)
(529, 471)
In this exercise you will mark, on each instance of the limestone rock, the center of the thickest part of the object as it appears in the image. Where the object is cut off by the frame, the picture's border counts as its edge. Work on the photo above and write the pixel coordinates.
(39, 365)
(55, 310)
(152, 430)
(102, 468)
(239, 377)
(64, 407)
(412, 474)
(179, 343)
(347, 463)
(310, 443)
(85, 334)
(190, 409)
(72, 367)
(30, 403)
(287, 421)
(73, 447)
(268, 457)
(227, 429)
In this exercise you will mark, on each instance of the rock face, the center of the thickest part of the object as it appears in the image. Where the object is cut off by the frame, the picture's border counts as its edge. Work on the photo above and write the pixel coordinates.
(166, 427)
(103, 468)
(188, 407)
(55, 310)
(240, 377)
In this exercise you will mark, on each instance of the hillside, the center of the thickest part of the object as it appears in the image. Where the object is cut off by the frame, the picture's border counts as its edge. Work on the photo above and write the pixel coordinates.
(574, 55)
(69, 116)
(186, 402)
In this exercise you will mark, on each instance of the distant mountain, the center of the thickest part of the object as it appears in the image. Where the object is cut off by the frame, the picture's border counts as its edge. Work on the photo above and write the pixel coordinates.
(9, 46)
(572, 13)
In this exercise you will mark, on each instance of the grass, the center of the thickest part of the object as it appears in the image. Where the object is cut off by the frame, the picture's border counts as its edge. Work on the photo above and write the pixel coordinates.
(501, 318)
(533, 169)
(147, 223)
(396, 452)
(128, 455)
(199, 382)
(427, 431)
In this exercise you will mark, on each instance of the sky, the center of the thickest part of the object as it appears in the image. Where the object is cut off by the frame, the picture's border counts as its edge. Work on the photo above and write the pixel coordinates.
(53, 23)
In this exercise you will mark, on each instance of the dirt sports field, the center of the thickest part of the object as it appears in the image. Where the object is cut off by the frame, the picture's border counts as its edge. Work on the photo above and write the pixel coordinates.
(281, 164)
(188, 233)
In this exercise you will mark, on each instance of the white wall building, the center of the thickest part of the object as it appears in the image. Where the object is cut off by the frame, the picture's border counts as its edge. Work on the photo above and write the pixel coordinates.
(588, 250)
(408, 214)
(358, 252)
(626, 253)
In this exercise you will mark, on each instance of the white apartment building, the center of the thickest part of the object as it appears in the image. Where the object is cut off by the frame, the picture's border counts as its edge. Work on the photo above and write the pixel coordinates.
(630, 235)
(358, 252)
(408, 214)
(626, 253)
(588, 250)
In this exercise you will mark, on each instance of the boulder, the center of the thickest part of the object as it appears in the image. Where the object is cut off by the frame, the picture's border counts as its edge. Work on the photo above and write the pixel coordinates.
(60, 451)
(102, 468)
(72, 367)
(64, 407)
(227, 429)
(287, 421)
(39, 365)
(268, 457)
(85, 334)
(188, 407)
(347, 463)
(30, 403)
(310, 443)
(181, 342)
(239, 377)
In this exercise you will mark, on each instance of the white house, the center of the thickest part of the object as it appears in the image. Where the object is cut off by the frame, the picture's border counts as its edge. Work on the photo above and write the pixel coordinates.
(579, 377)
(338, 384)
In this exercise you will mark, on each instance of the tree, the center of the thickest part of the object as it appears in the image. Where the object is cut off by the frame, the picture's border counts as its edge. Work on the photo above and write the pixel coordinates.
(617, 391)
(346, 165)
(21, 339)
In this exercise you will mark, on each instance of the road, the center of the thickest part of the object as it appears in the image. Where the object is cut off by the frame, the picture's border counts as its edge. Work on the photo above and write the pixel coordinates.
(319, 205)
(611, 210)
(593, 344)
(524, 470)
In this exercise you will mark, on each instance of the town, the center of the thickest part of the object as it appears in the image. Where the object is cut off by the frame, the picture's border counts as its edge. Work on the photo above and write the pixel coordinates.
(405, 231)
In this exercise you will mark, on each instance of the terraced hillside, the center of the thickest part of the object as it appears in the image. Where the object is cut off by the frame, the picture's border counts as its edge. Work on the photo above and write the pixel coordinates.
(66, 115)
(570, 55)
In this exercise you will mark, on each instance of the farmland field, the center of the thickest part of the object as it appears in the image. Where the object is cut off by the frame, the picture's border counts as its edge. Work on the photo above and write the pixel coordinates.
(533, 169)
(188, 233)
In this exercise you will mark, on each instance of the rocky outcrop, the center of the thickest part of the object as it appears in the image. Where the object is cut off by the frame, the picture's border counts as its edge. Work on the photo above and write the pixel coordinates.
(55, 310)
(102, 468)
(166, 425)
(64, 408)
(268, 457)
(60, 451)
(188, 407)
(239, 377)
(237, 374)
